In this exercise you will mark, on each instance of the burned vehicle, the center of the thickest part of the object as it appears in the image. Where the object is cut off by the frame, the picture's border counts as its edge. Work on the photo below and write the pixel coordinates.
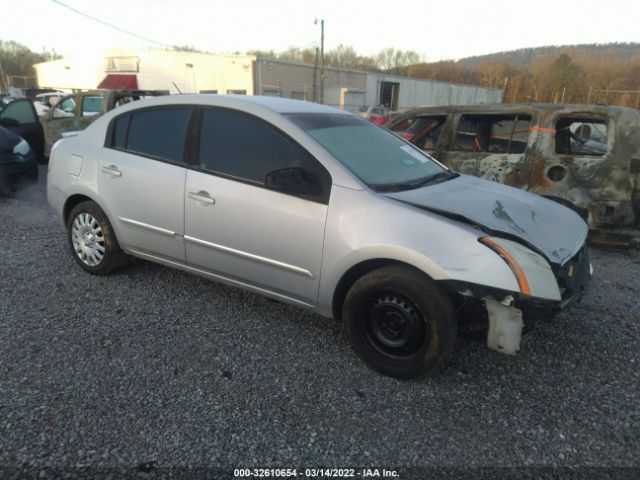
(320, 209)
(76, 111)
(586, 157)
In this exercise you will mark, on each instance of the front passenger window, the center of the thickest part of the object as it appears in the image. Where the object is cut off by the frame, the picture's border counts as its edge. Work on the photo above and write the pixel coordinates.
(247, 148)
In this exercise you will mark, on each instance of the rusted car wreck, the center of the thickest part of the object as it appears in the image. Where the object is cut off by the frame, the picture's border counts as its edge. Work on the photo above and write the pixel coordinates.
(584, 156)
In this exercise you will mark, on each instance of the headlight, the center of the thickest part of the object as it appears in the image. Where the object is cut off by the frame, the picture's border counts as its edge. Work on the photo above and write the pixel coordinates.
(509, 260)
(22, 148)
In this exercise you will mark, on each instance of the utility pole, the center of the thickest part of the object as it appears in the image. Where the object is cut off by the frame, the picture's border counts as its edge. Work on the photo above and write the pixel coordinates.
(322, 61)
(3, 81)
(315, 78)
(321, 58)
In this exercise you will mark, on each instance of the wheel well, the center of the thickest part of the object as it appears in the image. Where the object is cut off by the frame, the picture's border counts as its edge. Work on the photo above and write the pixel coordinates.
(353, 274)
(71, 202)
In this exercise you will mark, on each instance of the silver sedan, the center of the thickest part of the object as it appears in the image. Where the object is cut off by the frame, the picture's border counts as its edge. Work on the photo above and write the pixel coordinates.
(321, 209)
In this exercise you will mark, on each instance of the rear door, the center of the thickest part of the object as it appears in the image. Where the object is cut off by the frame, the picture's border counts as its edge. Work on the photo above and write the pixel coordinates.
(21, 118)
(142, 177)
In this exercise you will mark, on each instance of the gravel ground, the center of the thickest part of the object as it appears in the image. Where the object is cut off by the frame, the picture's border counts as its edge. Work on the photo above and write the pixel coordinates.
(151, 366)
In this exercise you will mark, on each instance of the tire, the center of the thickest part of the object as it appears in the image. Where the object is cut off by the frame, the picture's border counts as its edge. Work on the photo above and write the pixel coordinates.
(399, 322)
(92, 240)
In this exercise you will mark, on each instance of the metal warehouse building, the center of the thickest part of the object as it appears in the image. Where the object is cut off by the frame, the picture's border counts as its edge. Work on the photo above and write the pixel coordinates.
(190, 72)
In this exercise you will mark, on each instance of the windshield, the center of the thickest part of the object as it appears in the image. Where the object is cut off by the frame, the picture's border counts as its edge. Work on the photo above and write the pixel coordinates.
(375, 155)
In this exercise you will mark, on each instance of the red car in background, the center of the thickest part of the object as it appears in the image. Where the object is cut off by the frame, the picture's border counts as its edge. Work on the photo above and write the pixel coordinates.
(378, 115)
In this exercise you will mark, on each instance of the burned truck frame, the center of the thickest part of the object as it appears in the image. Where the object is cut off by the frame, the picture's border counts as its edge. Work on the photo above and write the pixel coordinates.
(584, 156)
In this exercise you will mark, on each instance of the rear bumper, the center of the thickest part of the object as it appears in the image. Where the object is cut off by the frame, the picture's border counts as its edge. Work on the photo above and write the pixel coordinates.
(56, 199)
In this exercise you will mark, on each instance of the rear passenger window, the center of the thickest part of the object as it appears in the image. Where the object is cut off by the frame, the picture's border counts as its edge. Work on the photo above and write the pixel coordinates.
(581, 136)
(158, 132)
(493, 133)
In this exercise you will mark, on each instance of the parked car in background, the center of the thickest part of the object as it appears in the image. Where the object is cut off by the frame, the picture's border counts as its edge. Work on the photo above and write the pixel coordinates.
(21, 144)
(6, 100)
(76, 111)
(320, 209)
(44, 101)
(20, 118)
(378, 115)
(584, 156)
(18, 163)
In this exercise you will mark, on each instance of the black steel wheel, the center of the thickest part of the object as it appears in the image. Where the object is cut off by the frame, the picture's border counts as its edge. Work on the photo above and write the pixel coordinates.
(399, 321)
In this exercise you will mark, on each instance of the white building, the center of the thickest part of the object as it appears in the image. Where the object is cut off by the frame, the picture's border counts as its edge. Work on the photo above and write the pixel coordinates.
(186, 72)
(190, 72)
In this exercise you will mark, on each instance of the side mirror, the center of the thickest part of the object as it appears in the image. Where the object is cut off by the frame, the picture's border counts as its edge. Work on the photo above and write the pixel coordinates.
(293, 180)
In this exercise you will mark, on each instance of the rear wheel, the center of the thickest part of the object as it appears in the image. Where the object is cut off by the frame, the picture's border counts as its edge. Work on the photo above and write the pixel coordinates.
(93, 244)
(399, 321)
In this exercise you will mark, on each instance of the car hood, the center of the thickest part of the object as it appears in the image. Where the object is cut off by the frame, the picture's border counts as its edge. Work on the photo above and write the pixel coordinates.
(553, 230)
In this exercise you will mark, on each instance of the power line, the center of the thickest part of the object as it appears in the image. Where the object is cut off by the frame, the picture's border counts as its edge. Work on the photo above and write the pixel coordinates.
(110, 25)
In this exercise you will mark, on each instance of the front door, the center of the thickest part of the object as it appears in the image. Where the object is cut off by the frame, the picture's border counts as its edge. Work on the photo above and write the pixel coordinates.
(243, 227)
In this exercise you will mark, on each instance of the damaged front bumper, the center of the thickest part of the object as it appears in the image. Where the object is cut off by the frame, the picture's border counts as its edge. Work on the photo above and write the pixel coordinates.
(505, 313)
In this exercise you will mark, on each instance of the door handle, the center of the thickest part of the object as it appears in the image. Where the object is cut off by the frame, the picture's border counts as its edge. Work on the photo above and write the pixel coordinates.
(202, 196)
(112, 170)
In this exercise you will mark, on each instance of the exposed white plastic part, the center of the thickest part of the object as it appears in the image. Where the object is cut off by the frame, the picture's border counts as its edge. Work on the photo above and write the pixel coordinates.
(74, 133)
(505, 326)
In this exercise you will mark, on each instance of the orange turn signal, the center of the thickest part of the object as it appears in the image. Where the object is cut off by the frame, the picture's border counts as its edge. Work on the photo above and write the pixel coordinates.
(509, 260)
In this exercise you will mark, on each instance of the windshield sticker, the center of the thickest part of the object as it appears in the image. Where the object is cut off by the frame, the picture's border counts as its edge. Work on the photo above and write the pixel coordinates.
(413, 153)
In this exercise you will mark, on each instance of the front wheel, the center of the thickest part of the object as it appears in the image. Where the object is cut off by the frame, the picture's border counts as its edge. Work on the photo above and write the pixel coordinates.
(399, 321)
(93, 244)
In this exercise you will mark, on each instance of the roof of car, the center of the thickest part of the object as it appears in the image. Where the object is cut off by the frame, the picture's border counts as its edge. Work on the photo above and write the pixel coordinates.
(275, 104)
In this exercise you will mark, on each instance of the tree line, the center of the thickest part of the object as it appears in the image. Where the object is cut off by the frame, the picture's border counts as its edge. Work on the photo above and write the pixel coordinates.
(16, 64)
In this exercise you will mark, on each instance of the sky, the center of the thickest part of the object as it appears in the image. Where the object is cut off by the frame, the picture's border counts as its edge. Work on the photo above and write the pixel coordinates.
(436, 29)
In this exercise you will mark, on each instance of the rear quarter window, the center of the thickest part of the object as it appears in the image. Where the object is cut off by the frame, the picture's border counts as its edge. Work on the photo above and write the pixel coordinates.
(581, 136)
